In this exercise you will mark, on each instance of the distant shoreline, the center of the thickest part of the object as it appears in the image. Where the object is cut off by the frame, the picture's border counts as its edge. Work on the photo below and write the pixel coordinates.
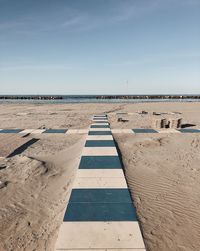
(97, 97)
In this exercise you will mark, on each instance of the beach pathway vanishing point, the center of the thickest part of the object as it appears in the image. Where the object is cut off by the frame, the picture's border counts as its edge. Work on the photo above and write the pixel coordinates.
(100, 214)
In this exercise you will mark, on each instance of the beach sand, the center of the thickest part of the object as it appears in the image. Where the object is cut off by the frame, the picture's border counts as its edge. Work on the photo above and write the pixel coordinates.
(162, 171)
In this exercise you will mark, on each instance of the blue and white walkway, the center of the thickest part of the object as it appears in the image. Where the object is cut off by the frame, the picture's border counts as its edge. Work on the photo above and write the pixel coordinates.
(85, 131)
(100, 214)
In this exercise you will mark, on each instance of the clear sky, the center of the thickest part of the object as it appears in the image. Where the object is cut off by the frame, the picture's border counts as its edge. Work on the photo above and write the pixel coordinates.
(99, 46)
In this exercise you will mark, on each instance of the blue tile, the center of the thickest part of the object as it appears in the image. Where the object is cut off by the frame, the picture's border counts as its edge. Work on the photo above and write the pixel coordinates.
(100, 162)
(99, 143)
(100, 212)
(99, 126)
(189, 130)
(101, 114)
(98, 195)
(144, 130)
(56, 131)
(122, 113)
(99, 133)
(11, 130)
(100, 118)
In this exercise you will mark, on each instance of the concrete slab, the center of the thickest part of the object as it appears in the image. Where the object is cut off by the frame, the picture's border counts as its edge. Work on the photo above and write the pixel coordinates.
(95, 173)
(100, 126)
(96, 195)
(127, 131)
(116, 130)
(55, 131)
(100, 117)
(99, 151)
(144, 130)
(100, 182)
(72, 131)
(100, 211)
(122, 131)
(82, 131)
(100, 133)
(101, 114)
(121, 113)
(168, 131)
(100, 121)
(38, 131)
(100, 235)
(99, 137)
(100, 162)
(26, 131)
(99, 129)
(100, 143)
(11, 131)
(188, 130)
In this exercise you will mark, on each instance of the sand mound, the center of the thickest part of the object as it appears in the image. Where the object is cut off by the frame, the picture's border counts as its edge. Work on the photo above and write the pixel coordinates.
(34, 200)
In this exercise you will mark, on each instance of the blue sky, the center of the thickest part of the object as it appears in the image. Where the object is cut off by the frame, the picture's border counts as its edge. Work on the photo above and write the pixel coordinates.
(99, 46)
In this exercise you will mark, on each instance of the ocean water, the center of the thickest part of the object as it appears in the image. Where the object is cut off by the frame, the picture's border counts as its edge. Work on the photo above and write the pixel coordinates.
(67, 99)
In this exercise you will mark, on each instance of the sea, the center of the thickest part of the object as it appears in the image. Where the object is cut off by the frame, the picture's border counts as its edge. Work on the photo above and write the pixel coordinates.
(67, 99)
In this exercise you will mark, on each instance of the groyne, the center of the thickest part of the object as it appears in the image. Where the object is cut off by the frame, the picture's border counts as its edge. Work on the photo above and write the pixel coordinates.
(100, 97)
(149, 97)
(33, 97)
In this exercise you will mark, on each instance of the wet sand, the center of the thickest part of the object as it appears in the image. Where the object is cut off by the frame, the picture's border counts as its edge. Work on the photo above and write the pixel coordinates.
(162, 171)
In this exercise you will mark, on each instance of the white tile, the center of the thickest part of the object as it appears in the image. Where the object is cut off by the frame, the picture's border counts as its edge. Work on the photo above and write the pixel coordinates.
(99, 137)
(127, 131)
(100, 124)
(99, 151)
(100, 182)
(72, 131)
(116, 130)
(100, 119)
(38, 131)
(122, 131)
(100, 129)
(26, 131)
(95, 173)
(82, 131)
(99, 235)
(168, 131)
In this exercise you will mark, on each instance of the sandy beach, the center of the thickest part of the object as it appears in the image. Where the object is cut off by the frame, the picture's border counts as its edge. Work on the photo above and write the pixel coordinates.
(162, 171)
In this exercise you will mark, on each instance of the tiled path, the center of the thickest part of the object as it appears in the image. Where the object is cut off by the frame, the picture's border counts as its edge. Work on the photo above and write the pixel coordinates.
(85, 131)
(100, 214)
